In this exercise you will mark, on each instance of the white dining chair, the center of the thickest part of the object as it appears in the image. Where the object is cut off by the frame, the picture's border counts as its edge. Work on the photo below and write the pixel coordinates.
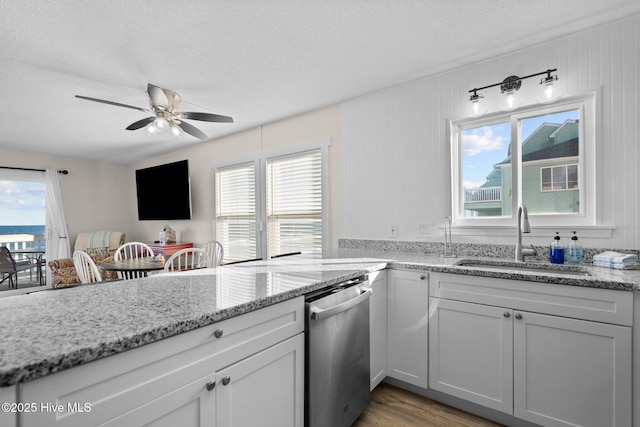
(87, 270)
(187, 259)
(215, 252)
(132, 250)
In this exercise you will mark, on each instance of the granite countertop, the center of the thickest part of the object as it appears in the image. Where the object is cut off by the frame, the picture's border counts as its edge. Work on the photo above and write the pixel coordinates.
(596, 277)
(52, 330)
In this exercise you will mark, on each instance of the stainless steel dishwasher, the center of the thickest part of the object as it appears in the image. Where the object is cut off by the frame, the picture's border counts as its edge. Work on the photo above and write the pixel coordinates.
(337, 354)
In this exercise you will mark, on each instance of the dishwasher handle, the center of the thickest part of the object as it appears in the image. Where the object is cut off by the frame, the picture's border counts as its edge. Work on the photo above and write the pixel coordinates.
(319, 314)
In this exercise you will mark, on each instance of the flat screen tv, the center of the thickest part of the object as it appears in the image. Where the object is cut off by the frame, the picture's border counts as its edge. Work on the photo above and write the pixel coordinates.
(164, 192)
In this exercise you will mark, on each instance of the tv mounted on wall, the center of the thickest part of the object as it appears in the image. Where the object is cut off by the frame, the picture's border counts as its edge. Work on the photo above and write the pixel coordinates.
(164, 192)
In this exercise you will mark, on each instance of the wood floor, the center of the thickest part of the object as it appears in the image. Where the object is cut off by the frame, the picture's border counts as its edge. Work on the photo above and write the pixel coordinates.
(394, 407)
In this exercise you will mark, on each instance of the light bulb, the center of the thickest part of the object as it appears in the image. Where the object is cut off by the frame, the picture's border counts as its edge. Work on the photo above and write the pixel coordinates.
(510, 101)
(176, 131)
(152, 129)
(475, 106)
(161, 124)
(549, 90)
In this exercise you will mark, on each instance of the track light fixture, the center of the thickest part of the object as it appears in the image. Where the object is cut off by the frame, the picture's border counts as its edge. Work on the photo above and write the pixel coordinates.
(548, 92)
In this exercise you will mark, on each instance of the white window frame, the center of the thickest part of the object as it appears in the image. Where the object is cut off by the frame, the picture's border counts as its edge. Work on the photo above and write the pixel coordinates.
(260, 160)
(587, 217)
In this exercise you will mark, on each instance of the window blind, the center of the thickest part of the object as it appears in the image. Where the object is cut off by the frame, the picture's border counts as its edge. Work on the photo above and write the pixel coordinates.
(236, 211)
(294, 203)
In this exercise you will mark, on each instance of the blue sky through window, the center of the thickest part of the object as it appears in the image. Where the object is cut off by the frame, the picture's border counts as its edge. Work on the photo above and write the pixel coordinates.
(22, 203)
(484, 146)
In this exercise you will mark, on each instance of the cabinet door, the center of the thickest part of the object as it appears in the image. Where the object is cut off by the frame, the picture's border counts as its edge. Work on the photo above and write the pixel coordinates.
(192, 405)
(266, 389)
(571, 372)
(407, 310)
(470, 352)
(378, 326)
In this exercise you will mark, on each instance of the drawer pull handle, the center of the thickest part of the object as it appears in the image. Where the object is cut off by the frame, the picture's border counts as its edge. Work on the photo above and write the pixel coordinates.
(506, 314)
(226, 380)
(518, 316)
(423, 277)
(211, 385)
(218, 333)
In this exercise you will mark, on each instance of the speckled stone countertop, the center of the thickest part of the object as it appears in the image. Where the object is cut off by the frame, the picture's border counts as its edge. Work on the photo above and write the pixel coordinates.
(56, 329)
(52, 330)
(586, 274)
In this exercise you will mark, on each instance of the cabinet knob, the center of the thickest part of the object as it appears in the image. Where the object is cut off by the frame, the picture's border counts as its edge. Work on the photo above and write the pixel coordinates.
(226, 380)
(518, 316)
(506, 314)
(423, 277)
(218, 333)
(211, 385)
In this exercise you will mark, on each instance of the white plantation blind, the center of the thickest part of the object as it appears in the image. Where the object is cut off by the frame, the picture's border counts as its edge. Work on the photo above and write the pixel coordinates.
(294, 203)
(236, 211)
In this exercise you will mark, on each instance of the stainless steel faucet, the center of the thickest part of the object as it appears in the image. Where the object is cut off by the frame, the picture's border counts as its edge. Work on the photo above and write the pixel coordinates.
(523, 227)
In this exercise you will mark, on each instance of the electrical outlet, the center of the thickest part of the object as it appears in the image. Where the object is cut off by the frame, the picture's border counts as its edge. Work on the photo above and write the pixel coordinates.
(422, 229)
(393, 230)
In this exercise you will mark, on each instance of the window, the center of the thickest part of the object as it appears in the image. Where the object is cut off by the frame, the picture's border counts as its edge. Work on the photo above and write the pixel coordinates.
(534, 157)
(294, 204)
(555, 178)
(272, 205)
(236, 211)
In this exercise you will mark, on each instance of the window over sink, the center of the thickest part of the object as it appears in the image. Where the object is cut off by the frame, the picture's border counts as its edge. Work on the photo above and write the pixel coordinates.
(541, 156)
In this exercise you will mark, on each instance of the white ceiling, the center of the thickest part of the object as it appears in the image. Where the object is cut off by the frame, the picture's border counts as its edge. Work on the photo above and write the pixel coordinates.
(256, 60)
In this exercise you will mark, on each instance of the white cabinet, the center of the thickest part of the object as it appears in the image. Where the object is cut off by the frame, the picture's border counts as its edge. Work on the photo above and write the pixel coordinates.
(171, 381)
(485, 347)
(264, 389)
(470, 352)
(8, 418)
(571, 372)
(378, 326)
(407, 310)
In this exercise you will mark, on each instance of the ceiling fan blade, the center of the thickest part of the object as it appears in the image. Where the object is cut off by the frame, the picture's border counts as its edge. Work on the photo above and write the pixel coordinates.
(157, 95)
(141, 123)
(206, 117)
(192, 130)
(112, 103)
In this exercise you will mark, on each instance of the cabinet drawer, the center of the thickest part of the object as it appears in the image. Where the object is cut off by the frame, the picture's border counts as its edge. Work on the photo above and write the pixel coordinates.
(601, 305)
(119, 383)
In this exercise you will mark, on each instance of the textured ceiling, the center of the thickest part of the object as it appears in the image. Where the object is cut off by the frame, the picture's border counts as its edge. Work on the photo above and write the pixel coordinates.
(256, 60)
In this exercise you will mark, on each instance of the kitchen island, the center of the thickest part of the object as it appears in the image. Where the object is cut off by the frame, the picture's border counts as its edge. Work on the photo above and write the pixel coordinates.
(55, 330)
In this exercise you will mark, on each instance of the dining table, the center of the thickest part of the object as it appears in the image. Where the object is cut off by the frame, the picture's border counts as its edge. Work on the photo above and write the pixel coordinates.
(33, 254)
(134, 267)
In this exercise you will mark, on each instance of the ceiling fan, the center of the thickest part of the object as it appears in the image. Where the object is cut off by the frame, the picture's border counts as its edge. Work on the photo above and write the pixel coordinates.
(164, 106)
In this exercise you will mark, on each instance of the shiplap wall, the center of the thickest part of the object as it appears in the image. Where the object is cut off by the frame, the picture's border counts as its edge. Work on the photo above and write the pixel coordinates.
(395, 152)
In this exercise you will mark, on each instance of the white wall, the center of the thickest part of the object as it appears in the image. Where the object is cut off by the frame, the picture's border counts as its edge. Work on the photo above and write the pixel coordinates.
(306, 128)
(395, 152)
(92, 192)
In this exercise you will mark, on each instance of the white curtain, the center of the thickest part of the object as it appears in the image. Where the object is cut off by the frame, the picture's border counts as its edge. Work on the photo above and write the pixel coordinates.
(57, 241)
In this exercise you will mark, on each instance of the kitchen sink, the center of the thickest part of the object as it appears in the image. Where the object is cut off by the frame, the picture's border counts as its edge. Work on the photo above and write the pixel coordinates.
(529, 267)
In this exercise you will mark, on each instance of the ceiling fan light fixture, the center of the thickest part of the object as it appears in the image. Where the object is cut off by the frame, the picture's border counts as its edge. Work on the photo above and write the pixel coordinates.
(176, 131)
(161, 124)
(152, 129)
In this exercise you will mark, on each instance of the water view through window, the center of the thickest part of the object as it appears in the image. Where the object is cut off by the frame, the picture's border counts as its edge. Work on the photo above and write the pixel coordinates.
(22, 211)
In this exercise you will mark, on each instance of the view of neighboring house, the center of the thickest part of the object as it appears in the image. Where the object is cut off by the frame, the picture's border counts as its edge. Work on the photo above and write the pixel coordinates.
(550, 159)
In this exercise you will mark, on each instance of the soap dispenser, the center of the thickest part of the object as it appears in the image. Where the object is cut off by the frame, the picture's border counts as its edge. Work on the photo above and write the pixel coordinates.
(575, 251)
(556, 251)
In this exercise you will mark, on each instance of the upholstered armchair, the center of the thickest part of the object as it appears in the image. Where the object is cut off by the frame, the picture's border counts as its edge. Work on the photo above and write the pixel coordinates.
(100, 245)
